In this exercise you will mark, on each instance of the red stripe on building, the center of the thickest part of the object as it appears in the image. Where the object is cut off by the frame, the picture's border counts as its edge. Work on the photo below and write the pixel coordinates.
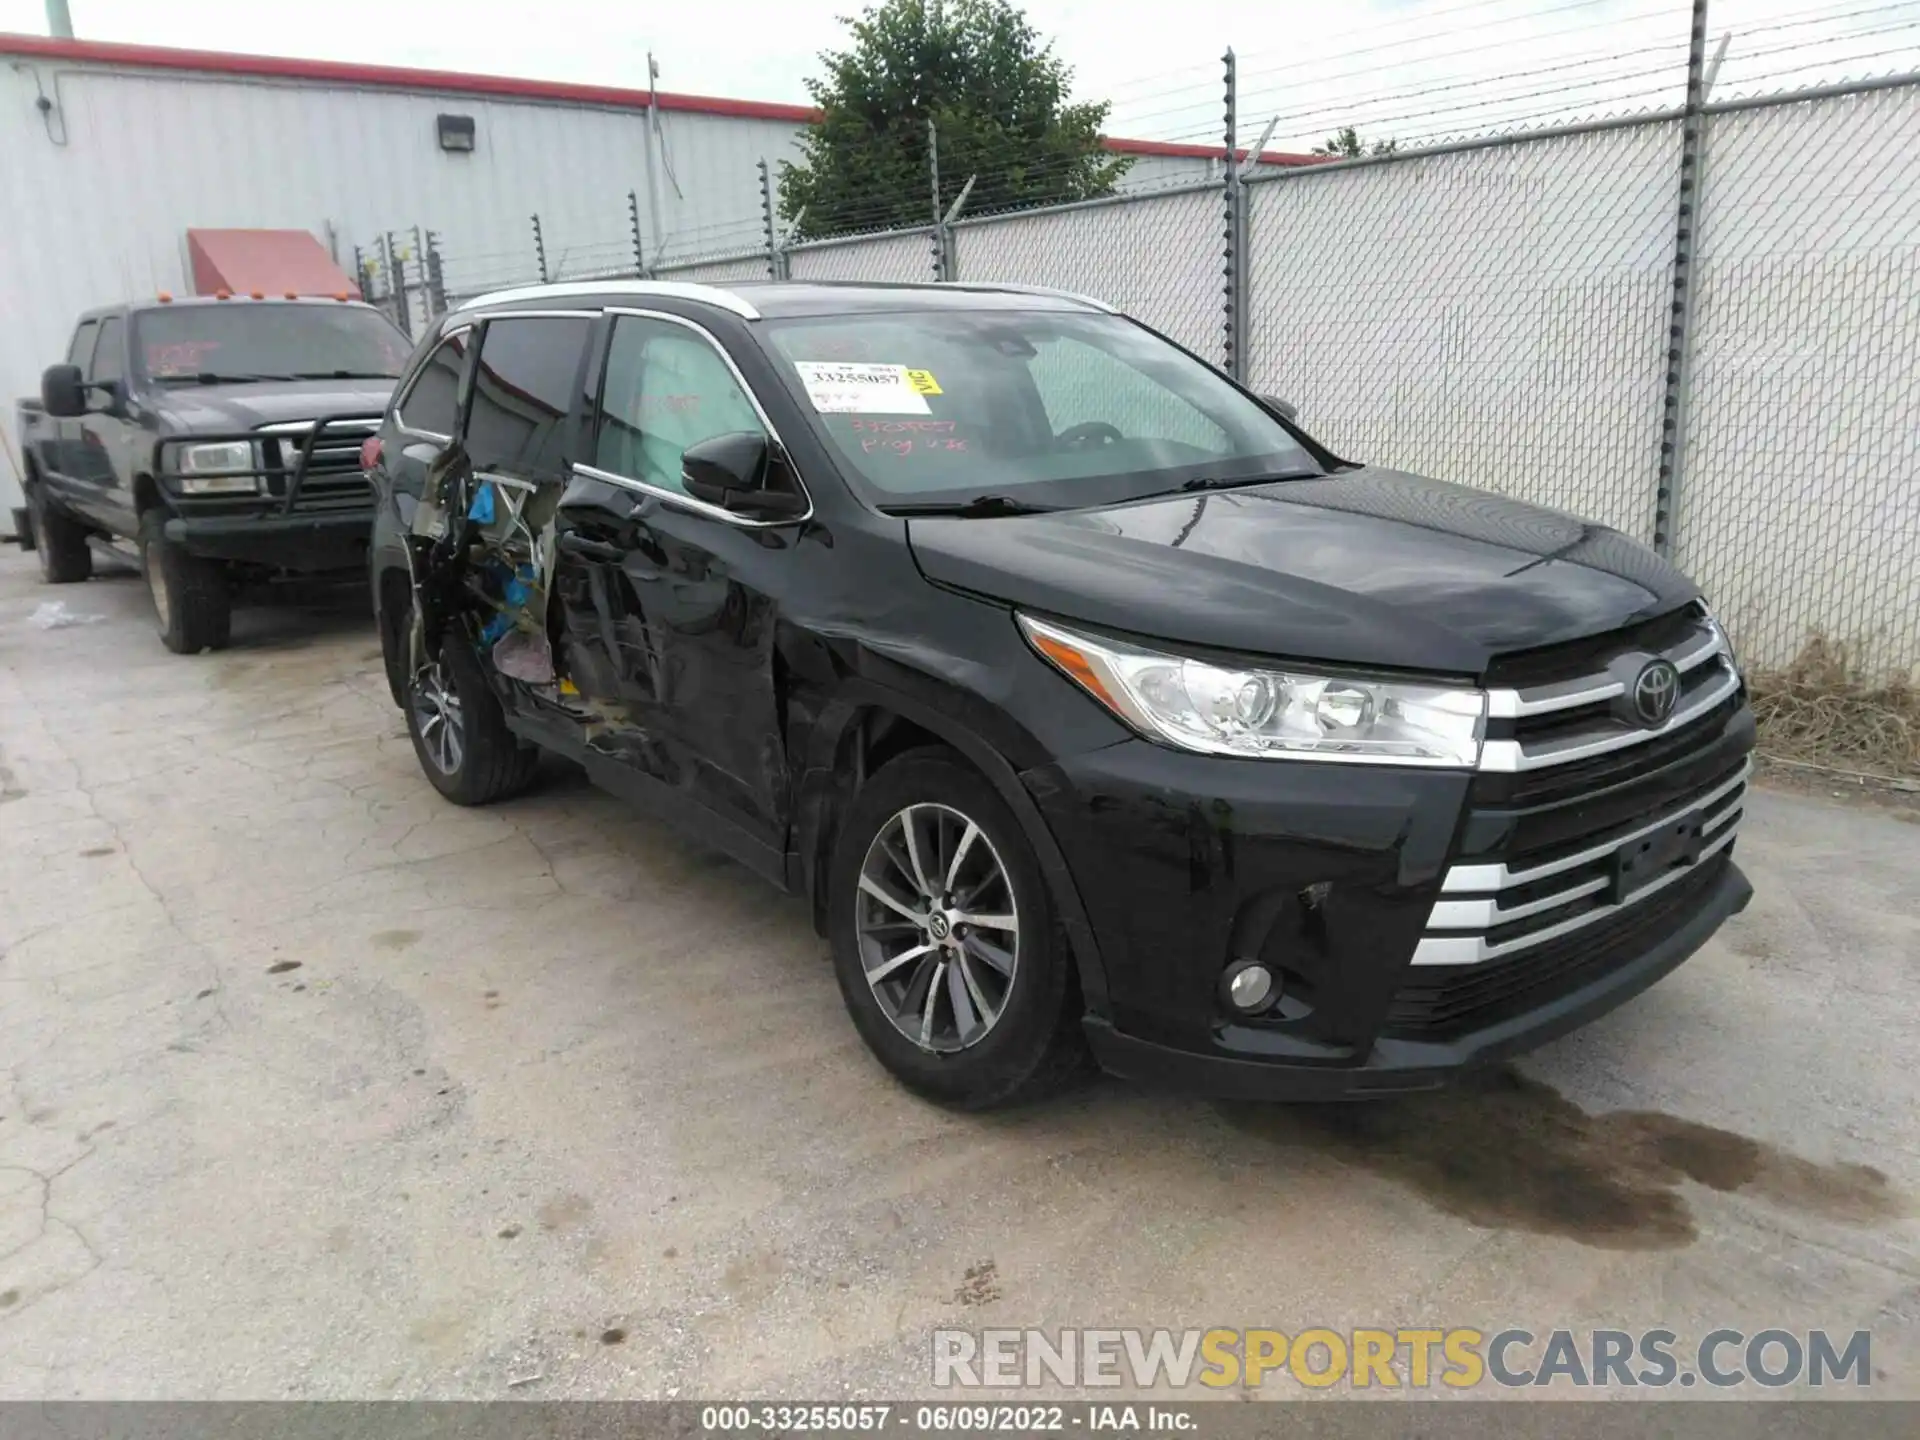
(396, 77)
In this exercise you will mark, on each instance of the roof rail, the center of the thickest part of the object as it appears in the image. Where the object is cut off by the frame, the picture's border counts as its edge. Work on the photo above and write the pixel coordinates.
(1087, 300)
(674, 289)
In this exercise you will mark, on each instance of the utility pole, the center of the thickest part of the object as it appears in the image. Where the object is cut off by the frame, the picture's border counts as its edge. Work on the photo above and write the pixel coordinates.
(655, 159)
(776, 261)
(59, 20)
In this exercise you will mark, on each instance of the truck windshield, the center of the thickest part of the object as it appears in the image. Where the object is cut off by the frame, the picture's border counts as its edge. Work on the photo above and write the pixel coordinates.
(245, 341)
(1030, 409)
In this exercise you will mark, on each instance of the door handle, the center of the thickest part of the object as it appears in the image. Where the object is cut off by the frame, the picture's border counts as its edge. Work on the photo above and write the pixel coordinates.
(577, 544)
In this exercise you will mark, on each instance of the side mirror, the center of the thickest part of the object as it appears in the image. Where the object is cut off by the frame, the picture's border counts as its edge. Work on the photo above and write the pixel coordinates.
(63, 391)
(731, 471)
(1285, 408)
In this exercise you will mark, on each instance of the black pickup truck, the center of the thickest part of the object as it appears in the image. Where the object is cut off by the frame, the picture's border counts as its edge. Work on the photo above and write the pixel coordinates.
(215, 438)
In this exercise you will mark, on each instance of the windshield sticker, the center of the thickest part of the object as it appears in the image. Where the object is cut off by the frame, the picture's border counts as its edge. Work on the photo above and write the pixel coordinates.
(923, 381)
(842, 389)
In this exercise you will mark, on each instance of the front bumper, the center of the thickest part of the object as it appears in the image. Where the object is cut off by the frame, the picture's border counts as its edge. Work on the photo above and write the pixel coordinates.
(1396, 1066)
(1329, 875)
(307, 544)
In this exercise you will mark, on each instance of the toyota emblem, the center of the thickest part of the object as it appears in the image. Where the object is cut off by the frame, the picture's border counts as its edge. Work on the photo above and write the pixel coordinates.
(1655, 689)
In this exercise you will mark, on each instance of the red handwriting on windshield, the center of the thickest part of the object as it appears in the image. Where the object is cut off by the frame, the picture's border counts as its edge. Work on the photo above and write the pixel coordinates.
(181, 357)
(904, 427)
(925, 445)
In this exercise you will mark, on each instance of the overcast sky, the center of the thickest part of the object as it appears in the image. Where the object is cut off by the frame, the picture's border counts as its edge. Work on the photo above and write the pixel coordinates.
(1413, 68)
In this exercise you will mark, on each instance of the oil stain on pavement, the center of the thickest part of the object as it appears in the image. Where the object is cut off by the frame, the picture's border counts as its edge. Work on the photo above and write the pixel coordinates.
(1511, 1153)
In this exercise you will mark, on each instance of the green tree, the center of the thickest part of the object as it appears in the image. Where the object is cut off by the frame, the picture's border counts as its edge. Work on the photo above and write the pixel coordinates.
(998, 100)
(1346, 144)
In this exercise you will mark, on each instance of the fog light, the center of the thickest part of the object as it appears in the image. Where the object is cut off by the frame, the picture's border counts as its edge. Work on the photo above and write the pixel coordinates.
(1249, 987)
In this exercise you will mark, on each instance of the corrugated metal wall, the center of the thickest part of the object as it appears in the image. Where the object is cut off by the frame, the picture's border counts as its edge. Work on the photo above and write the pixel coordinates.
(100, 193)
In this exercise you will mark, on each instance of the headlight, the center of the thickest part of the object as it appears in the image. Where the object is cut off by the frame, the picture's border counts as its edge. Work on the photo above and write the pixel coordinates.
(208, 469)
(1276, 714)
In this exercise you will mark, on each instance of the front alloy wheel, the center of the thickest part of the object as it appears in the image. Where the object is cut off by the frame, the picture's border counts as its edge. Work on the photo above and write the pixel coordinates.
(948, 952)
(939, 927)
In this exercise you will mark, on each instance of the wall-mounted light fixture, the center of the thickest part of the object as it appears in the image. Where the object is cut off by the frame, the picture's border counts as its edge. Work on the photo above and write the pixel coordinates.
(456, 133)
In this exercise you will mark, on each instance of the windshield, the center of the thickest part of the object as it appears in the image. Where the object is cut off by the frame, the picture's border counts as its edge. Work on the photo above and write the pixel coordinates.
(209, 344)
(1043, 408)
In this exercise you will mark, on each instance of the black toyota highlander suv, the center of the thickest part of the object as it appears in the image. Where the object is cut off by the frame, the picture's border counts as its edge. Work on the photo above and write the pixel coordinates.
(1082, 694)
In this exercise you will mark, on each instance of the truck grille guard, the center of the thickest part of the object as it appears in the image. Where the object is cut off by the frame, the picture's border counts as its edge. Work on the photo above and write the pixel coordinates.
(289, 451)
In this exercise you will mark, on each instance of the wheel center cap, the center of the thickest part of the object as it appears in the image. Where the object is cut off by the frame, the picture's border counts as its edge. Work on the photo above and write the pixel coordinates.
(938, 926)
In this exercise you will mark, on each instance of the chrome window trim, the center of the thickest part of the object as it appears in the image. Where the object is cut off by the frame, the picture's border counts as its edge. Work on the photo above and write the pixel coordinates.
(1475, 879)
(1474, 949)
(405, 388)
(685, 501)
(1506, 757)
(574, 289)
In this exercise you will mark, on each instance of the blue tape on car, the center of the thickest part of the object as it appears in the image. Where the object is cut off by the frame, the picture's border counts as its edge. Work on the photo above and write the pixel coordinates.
(481, 511)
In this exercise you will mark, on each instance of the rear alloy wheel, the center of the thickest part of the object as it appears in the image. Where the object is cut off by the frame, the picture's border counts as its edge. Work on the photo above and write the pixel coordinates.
(459, 731)
(945, 943)
(438, 721)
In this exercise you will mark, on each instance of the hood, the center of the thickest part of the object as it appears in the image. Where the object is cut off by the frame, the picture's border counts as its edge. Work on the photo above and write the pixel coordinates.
(215, 408)
(1370, 567)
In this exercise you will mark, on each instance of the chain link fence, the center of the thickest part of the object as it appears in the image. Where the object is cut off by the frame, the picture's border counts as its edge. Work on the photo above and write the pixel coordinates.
(1799, 484)
(1502, 313)
(1156, 256)
(899, 255)
(1491, 316)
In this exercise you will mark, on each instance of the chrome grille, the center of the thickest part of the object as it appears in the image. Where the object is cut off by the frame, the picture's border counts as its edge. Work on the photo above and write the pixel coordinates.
(1502, 909)
(1572, 797)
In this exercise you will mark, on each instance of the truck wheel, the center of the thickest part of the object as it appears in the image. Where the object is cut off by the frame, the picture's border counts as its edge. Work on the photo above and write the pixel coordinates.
(460, 733)
(945, 942)
(59, 541)
(192, 603)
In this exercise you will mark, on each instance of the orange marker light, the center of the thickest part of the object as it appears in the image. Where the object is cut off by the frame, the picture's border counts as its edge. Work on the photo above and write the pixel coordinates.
(255, 295)
(223, 294)
(165, 297)
(339, 294)
(291, 296)
(1076, 666)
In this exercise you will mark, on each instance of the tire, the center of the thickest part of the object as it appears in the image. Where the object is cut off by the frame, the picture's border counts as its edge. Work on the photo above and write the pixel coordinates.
(192, 601)
(1032, 1042)
(459, 731)
(60, 541)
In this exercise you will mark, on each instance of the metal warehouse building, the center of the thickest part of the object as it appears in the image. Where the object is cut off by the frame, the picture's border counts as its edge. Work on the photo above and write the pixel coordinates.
(110, 153)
